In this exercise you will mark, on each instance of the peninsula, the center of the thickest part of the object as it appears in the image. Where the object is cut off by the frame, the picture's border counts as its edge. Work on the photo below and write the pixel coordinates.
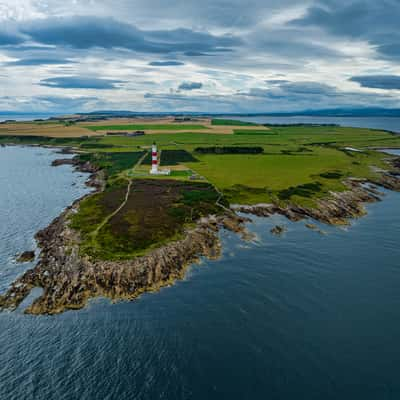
(139, 231)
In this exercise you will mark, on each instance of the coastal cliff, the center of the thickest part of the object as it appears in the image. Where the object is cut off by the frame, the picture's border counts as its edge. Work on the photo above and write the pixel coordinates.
(69, 280)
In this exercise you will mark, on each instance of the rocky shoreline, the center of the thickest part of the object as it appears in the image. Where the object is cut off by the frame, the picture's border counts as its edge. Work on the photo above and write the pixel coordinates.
(69, 280)
(338, 208)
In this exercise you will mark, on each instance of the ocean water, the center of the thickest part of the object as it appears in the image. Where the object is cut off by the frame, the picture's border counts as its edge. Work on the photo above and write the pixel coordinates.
(303, 316)
(25, 117)
(32, 194)
(386, 123)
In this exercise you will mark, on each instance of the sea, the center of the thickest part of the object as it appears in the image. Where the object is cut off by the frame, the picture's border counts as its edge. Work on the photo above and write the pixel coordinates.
(303, 316)
(386, 123)
(25, 116)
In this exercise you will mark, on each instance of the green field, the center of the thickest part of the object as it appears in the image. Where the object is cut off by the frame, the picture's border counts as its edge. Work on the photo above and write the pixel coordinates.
(230, 122)
(144, 127)
(253, 132)
(112, 163)
(240, 177)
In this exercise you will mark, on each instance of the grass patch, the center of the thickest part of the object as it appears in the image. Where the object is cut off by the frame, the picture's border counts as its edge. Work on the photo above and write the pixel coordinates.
(112, 163)
(95, 208)
(331, 175)
(229, 150)
(307, 190)
(253, 132)
(144, 127)
(181, 174)
(171, 157)
(94, 145)
(230, 122)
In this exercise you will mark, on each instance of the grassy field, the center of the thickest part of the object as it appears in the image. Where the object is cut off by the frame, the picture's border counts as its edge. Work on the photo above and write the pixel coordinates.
(144, 127)
(112, 163)
(230, 122)
(260, 178)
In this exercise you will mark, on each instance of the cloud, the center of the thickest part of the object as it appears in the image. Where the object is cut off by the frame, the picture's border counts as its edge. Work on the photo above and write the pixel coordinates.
(85, 32)
(80, 82)
(293, 44)
(276, 81)
(389, 82)
(213, 13)
(65, 103)
(39, 61)
(190, 86)
(293, 91)
(373, 21)
(51, 104)
(166, 63)
(10, 38)
(195, 54)
(266, 55)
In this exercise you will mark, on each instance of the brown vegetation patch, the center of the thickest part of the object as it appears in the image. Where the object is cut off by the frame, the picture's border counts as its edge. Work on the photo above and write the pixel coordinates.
(50, 130)
(156, 212)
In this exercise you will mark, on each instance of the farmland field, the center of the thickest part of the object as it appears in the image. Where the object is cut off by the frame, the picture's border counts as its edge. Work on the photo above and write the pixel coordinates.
(143, 127)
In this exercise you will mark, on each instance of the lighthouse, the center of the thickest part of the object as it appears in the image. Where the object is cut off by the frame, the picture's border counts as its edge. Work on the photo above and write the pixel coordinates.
(154, 160)
(154, 163)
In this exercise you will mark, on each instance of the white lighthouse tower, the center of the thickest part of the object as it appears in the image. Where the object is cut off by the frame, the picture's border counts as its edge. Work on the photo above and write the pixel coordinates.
(154, 163)
(154, 160)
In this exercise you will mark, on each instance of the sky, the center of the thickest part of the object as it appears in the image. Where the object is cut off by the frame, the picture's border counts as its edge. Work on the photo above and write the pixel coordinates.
(221, 56)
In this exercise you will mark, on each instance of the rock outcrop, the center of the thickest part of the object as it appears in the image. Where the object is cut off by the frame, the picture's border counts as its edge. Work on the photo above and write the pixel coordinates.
(278, 230)
(26, 256)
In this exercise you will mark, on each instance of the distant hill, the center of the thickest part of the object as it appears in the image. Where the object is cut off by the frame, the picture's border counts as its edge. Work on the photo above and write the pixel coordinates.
(335, 112)
(344, 112)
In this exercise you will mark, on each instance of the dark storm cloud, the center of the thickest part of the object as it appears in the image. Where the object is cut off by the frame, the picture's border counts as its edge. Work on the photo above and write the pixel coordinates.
(39, 61)
(166, 63)
(389, 82)
(374, 21)
(79, 82)
(190, 85)
(83, 32)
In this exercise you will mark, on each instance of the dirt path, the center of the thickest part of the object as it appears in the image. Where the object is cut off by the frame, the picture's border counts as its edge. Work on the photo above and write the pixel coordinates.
(121, 206)
(115, 212)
